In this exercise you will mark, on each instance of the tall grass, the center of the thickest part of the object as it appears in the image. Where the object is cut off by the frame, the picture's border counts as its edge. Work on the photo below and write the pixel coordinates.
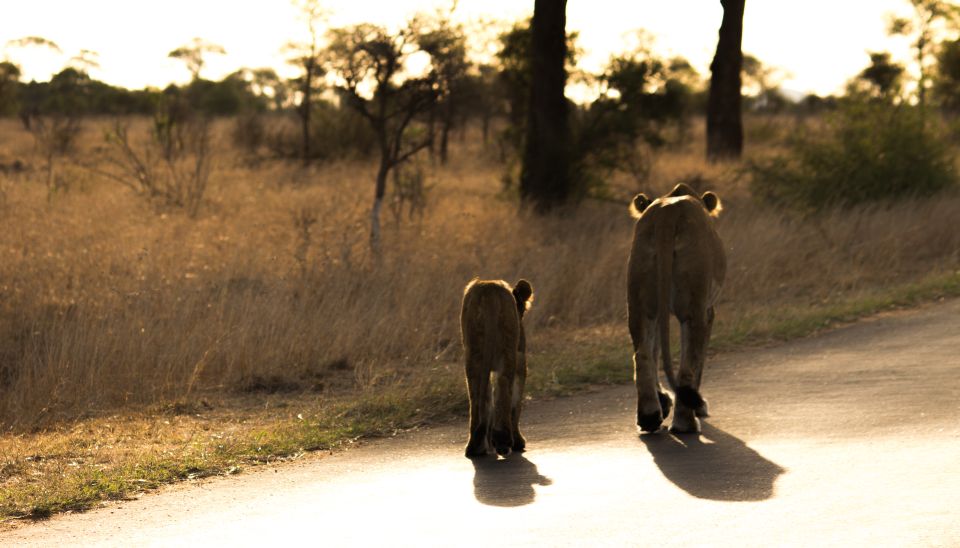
(104, 303)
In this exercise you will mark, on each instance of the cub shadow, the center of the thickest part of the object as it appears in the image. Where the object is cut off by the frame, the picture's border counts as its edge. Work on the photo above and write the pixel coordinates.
(506, 482)
(714, 465)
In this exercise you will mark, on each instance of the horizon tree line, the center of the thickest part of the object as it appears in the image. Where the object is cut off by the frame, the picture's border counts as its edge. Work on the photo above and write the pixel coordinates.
(364, 68)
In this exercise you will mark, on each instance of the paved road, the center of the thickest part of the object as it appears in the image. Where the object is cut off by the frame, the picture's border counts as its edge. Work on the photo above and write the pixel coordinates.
(851, 438)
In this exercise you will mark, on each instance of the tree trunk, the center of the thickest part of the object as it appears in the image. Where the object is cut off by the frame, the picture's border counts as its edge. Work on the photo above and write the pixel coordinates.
(545, 178)
(431, 131)
(305, 108)
(464, 127)
(379, 192)
(485, 126)
(445, 137)
(724, 120)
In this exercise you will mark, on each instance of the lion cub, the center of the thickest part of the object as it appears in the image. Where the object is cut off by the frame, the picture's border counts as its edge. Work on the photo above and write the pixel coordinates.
(496, 365)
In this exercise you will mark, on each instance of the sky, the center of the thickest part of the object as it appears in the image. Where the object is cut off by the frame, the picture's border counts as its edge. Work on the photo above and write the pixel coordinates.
(817, 45)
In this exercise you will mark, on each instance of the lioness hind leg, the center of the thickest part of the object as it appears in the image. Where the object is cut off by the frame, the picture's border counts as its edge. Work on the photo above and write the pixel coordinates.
(704, 410)
(693, 333)
(666, 402)
(478, 387)
(651, 410)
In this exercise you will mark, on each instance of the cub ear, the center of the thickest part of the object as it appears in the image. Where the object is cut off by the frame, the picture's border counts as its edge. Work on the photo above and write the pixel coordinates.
(712, 202)
(523, 294)
(639, 204)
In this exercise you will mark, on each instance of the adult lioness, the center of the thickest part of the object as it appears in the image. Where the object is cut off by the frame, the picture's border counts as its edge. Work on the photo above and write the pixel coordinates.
(491, 325)
(677, 264)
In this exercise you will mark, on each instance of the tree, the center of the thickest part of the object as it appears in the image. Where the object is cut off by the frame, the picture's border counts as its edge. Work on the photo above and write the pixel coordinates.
(724, 119)
(882, 79)
(763, 82)
(947, 83)
(480, 97)
(34, 41)
(267, 84)
(234, 94)
(929, 20)
(369, 63)
(446, 44)
(84, 61)
(640, 95)
(545, 174)
(193, 55)
(29, 109)
(514, 77)
(9, 83)
(306, 57)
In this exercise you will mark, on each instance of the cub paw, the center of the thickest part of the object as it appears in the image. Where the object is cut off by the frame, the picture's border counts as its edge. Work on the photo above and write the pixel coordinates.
(703, 411)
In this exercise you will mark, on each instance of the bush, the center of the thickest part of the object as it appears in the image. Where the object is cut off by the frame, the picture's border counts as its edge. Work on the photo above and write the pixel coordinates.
(869, 152)
(248, 134)
(336, 133)
(170, 173)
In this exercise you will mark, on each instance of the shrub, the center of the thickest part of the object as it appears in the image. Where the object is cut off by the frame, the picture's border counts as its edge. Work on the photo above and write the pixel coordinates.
(869, 152)
(336, 133)
(170, 173)
(248, 134)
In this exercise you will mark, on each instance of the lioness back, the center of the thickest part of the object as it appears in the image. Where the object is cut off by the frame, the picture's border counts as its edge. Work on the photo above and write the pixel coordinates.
(677, 266)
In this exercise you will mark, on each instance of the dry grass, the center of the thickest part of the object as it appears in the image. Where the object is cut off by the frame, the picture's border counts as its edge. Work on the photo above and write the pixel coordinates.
(108, 307)
(106, 304)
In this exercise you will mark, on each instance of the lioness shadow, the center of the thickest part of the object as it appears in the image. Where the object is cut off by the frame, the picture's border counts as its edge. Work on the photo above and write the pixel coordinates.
(506, 482)
(714, 465)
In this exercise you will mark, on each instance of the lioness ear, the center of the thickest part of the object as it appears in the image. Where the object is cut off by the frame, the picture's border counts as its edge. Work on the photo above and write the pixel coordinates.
(712, 202)
(639, 204)
(523, 294)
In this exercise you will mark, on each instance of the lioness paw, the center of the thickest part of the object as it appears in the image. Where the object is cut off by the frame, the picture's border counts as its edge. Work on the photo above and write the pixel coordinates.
(502, 442)
(650, 422)
(519, 443)
(685, 424)
(474, 451)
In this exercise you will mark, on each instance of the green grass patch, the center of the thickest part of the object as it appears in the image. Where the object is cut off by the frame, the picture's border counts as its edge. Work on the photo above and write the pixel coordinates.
(785, 323)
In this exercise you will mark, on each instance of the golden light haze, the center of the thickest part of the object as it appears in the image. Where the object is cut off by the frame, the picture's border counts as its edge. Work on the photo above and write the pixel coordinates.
(818, 44)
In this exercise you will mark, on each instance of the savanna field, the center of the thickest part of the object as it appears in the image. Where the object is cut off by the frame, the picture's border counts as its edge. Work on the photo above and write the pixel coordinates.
(140, 344)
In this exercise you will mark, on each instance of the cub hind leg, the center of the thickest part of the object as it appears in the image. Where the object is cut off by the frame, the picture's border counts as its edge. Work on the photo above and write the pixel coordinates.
(478, 388)
(519, 442)
(502, 434)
